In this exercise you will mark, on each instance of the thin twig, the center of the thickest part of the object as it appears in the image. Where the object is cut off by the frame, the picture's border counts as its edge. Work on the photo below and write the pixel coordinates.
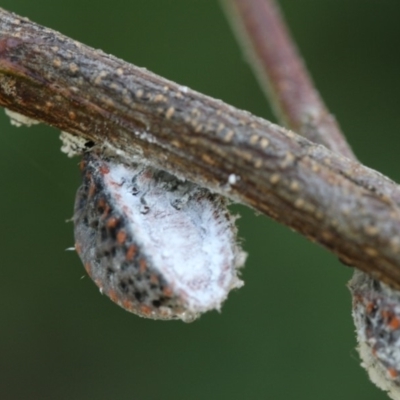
(281, 73)
(335, 201)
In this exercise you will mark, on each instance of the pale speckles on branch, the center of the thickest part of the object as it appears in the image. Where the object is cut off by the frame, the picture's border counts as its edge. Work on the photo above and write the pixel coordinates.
(371, 252)
(294, 186)
(258, 163)
(274, 178)
(371, 230)
(160, 98)
(299, 203)
(288, 160)
(229, 136)
(207, 159)
(254, 139)
(264, 142)
(170, 112)
(57, 62)
(73, 68)
(97, 80)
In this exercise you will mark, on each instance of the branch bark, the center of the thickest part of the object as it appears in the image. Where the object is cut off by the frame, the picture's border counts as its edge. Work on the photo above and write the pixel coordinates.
(272, 54)
(348, 208)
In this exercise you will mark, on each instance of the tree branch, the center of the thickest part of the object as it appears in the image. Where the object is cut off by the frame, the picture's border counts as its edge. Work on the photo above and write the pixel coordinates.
(279, 68)
(348, 208)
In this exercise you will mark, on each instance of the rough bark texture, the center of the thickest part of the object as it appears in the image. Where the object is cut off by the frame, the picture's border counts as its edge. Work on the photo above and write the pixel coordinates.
(348, 208)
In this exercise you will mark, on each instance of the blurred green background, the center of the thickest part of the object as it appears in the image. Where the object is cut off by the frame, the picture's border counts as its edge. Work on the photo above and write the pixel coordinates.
(287, 334)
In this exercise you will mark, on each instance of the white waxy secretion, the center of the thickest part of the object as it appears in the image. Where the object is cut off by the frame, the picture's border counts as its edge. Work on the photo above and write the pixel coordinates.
(232, 179)
(18, 119)
(72, 145)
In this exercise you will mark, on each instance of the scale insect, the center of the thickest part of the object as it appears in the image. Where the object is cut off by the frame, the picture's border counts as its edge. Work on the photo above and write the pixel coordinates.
(157, 246)
(376, 314)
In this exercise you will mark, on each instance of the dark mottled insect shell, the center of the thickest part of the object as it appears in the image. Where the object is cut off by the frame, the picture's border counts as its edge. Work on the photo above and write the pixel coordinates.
(157, 246)
(376, 314)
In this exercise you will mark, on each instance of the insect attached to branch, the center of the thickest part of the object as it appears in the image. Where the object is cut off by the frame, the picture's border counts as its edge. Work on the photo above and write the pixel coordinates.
(157, 246)
(376, 314)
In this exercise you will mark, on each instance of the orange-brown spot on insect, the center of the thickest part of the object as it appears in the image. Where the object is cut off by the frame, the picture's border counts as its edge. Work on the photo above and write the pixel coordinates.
(386, 314)
(394, 323)
(127, 304)
(72, 115)
(370, 307)
(88, 268)
(164, 312)
(154, 279)
(112, 294)
(78, 247)
(121, 237)
(82, 165)
(92, 190)
(148, 174)
(104, 169)
(142, 266)
(106, 211)
(130, 254)
(358, 298)
(146, 310)
(112, 222)
(392, 373)
(101, 204)
(167, 292)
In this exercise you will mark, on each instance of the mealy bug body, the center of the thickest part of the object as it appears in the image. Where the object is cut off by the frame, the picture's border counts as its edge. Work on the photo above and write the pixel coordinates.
(376, 314)
(157, 246)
